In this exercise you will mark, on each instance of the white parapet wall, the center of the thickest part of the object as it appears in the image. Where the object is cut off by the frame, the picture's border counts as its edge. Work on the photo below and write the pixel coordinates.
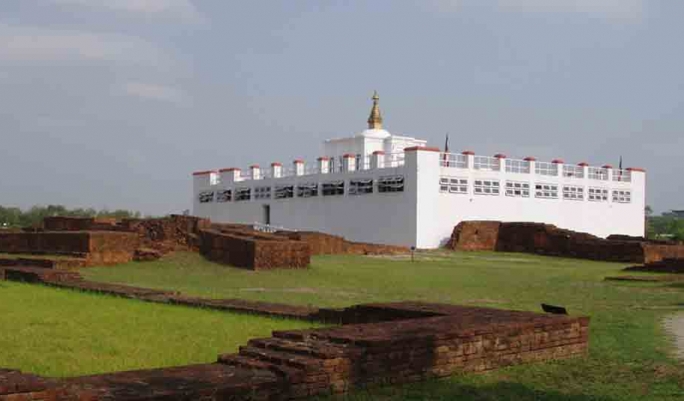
(365, 205)
(415, 198)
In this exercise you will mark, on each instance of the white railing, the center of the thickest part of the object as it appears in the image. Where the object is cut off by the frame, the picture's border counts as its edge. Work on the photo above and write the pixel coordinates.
(622, 175)
(517, 166)
(544, 168)
(573, 171)
(395, 159)
(311, 169)
(456, 160)
(486, 163)
(598, 173)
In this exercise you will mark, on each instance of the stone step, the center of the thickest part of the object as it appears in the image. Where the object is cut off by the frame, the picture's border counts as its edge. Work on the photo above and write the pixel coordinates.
(46, 262)
(315, 348)
(307, 363)
(30, 274)
(292, 375)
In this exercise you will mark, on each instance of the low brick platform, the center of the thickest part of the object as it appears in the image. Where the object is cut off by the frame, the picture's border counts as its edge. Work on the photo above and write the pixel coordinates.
(672, 266)
(46, 262)
(468, 339)
(326, 244)
(547, 239)
(96, 247)
(253, 250)
(30, 274)
(664, 278)
(421, 341)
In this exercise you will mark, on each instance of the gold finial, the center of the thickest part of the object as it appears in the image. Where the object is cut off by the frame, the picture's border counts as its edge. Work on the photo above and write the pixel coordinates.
(375, 118)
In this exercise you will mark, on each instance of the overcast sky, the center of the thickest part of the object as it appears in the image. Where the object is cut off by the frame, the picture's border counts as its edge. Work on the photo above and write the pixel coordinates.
(114, 103)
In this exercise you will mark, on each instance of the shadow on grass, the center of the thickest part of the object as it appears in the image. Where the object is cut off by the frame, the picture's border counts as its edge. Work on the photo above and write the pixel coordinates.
(447, 390)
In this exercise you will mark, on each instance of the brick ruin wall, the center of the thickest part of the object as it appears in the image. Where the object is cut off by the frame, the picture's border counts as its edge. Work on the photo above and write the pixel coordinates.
(234, 244)
(327, 244)
(97, 247)
(402, 343)
(59, 223)
(475, 236)
(546, 239)
(253, 250)
(666, 265)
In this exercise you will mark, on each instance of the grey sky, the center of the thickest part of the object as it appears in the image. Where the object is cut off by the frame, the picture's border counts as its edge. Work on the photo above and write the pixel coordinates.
(114, 103)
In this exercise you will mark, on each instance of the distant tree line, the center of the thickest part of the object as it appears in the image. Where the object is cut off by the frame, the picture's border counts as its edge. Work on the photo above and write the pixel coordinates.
(665, 226)
(11, 217)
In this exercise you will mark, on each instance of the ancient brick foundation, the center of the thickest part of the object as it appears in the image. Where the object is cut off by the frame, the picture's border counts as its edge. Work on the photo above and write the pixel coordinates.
(326, 244)
(96, 247)
(59, 223)
(673, 266)
(475, 236)
(253, 250)
(546, 239)
(400, 343)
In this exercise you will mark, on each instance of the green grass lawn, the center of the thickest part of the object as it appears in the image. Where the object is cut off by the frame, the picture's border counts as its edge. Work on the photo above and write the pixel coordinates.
(55, 332)
(628, 352)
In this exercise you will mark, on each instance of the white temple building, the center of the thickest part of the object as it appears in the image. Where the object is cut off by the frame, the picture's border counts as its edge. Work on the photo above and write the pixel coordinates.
(383, 188)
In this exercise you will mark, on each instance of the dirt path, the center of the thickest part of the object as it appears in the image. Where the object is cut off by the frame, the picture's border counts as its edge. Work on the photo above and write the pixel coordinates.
(674, 324)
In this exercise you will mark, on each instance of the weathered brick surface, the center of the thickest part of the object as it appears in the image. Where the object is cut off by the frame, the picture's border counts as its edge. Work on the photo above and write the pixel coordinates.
(58, 223)
(62, 263)
(253, 250)
(433, 341)
(421, 341)
(210, 382)
(675, 266)
(326, 244)
(16, 382)
(475, 236)
(547, 239)
(38, 275)
(97, 247)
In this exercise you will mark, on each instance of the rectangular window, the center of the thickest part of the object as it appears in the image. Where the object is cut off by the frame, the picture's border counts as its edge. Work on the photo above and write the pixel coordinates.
(361, 186)
(598, 194)
(518, 189)
(573, 171)
(333, 188)
(573, 192)
(224, 196)
(391, 184)
(622, 196)
(307, 190)
(284, 191)
(242, 194)
(546, 191)
(486, 187)
(262, 193)
(453, 185)
(544, 168)
(517, 166)
(206, 196)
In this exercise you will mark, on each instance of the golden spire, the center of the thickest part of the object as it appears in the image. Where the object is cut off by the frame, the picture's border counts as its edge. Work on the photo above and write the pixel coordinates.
(375, 118)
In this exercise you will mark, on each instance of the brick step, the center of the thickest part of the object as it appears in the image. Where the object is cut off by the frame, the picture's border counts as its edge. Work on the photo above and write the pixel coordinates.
(46, 262)
(307, 363)
(30, 274)
(292, 375)
(194, 382)
(315, 348)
